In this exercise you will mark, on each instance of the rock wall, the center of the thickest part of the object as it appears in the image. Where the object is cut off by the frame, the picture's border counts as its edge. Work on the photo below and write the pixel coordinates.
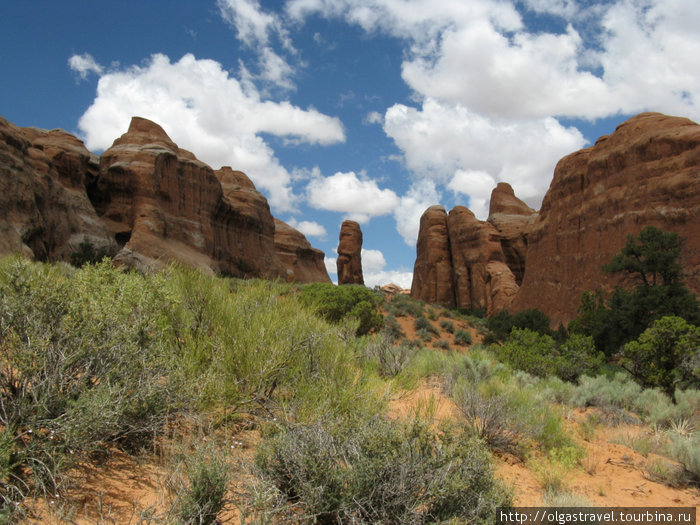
(646, 173)
(145, 200)
(45, 211)
(349, 261)
(303, 264)
(460, 262)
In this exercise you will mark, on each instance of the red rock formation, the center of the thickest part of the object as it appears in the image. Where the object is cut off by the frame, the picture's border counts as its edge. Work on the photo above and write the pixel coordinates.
(460, 262)
(646, 173)
(45, 212)
(481, 277)
(303, 264)
(349, 261)
(513, 219)
(162, 205)
(432, 272)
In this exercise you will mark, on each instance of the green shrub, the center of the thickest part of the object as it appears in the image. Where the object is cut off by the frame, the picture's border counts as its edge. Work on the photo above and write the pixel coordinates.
(502, 323)
(666, 355)
(463, 338)
(442, 344)
(448, 326)
(84, 361)
(382, 472)
(334, 303)
(390, 358)
(200, 485)
(422, 323)
(393, 326)
(541, 356)
(686, 450)
(403, 305)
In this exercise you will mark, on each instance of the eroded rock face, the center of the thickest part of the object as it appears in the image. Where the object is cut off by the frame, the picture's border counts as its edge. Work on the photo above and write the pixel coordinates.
(45, 211)
(460, 262)
(482, 278)
(303, 264)
(349, 261)
(646, 173)
(513, 219)
(433, 278)
(162, 205)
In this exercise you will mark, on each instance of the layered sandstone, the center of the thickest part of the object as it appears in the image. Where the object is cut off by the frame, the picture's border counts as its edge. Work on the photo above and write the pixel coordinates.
(146, 201)
(45, 211)
(349, 262)
(460, 262)
(302, 263)
(646, 173)
(513, 219)
(163, 205)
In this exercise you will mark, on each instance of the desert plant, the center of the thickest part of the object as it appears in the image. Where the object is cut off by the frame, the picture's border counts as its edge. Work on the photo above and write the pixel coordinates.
(382, 472)
(502, 323)
(200, 484)
(442, 344)
(462, 338)
(334, 303)
(448, 326)
(391, 358)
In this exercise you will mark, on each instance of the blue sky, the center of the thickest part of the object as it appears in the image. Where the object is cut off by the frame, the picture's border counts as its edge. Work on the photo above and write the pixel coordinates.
(364, 109)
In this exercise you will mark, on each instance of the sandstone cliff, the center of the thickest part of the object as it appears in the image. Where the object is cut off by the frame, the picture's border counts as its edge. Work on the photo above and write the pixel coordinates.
(145, 200)
(349, 261)
(460, 262)
(646, 173)
(303, 264)
(45, 211)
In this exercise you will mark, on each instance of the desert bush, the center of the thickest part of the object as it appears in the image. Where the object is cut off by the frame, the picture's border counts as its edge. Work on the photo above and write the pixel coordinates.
(463, 338)
(502, 323)
(391, 358)
(448, 326)
(402, 306)
(686, 450)
(422, 323)
(199, 483)
(334, 303)
(666, 355)
(540, 355)
(84, 361)
(393, 326)
(382, 472)
(442, 344)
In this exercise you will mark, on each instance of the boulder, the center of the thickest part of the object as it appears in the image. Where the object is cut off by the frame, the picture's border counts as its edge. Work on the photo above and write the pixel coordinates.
(349, 262)
(302, 263)
(646, 173)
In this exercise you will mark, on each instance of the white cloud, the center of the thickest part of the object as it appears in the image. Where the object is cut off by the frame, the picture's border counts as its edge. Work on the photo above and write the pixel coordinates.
(308, 228)
(358, 197)
(374, 117)
(374, 273)
(84, 64)
(422, 194)
(206, 111)
(372, 260)
(440, 140)
(331, 265)
(478, 185)
(259, 30)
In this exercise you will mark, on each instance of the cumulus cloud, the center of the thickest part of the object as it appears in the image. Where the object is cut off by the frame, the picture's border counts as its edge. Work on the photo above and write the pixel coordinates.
(491, 91)
(308, 228)
(207, 111)
(374, 273)
(441, 140)
(258, 30)
(84, 64)
(478, 185)
(421, 195)
(358, 197)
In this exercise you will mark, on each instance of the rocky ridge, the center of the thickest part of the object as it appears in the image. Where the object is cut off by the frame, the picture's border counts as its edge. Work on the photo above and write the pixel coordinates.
(144, 200)
(646, 173)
